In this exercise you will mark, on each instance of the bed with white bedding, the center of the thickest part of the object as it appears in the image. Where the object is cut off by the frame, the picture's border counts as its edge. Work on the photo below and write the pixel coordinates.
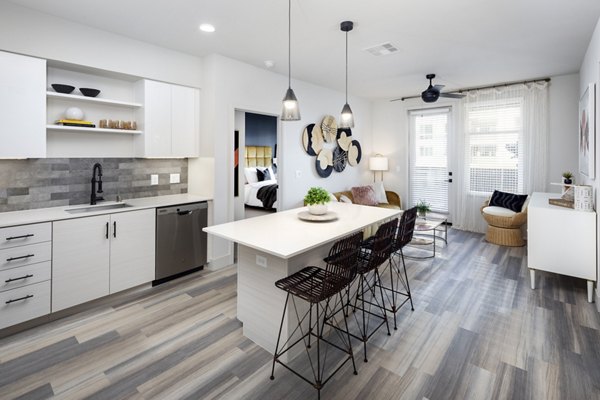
(260, 189)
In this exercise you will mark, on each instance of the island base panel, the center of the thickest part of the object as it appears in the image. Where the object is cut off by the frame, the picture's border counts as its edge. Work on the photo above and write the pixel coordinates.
(260, 304)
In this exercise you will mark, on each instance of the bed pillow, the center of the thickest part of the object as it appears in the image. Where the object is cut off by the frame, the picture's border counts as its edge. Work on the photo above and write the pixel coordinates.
(250, 174)
(379, 192)
(263, 174)
(511, 201)
(364, 195)
(345, 199)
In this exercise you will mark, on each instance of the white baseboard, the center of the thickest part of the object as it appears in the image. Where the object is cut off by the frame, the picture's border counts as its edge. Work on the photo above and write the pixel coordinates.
(597, 299)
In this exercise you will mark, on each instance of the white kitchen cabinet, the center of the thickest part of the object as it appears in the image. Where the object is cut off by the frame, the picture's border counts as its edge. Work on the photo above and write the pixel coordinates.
(561, 240)
(80, 254)
(132, 249)
(101, 255)
(22, 106)
(169, 120)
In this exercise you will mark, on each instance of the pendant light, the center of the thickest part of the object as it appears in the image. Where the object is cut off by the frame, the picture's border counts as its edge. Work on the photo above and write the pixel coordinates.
(347, 118)
(291, 110)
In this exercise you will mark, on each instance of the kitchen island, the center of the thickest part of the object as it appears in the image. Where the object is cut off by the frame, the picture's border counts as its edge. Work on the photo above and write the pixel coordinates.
(274, 246)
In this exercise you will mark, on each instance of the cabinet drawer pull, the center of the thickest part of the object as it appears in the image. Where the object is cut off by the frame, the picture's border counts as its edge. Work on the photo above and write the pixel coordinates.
(19, 299)
(18, 279)
(20, 237)
(107, 230)
(115, 229)
(20, 258)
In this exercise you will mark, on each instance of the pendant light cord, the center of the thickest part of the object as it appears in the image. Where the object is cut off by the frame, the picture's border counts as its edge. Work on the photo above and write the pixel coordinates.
(346, 67)
(290, 43)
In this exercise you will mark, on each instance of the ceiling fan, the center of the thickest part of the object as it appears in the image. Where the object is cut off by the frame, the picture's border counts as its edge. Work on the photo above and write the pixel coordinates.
(433, 93)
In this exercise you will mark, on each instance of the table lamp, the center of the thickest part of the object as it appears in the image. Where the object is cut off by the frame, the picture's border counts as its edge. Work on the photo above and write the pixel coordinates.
(378, 163)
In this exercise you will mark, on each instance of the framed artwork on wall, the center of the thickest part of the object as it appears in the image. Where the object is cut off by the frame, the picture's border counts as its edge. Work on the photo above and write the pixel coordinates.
(587, 132)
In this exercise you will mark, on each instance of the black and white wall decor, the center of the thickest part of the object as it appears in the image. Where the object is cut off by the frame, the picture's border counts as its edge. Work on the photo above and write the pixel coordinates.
(333, 147)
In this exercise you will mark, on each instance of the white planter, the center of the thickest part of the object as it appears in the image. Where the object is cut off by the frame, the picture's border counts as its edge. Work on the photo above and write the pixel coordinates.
(317, 209)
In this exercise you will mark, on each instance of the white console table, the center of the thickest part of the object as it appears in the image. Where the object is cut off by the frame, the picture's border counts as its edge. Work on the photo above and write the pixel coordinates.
(561, 240)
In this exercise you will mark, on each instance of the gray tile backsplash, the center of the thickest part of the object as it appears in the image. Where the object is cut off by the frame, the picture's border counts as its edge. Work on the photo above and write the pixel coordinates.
(51, 182)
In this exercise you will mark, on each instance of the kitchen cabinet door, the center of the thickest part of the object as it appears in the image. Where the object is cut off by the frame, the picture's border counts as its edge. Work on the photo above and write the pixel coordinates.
(132, 249)
(22, 106)
(184, 117)
(80, 257)
(157, 119)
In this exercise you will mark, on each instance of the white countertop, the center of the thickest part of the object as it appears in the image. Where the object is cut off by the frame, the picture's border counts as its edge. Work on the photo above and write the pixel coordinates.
(284, 235)
(540, 200)
(58, 213)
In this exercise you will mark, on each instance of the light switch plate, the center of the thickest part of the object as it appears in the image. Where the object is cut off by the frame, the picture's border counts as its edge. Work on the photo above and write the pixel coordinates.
(154, 179)
(174, 178)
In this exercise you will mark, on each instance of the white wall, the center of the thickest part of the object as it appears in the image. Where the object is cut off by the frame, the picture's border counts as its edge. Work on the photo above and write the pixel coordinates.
(390, 132)
(231, 85)
(30, 32)
(590, 73)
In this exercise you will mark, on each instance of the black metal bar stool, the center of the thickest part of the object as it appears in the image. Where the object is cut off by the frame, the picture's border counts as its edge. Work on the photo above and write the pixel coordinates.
(398, 278)
(374, 252)
(323, 289)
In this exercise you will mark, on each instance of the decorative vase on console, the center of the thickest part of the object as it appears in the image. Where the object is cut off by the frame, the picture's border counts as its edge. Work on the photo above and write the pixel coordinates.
(316, 199)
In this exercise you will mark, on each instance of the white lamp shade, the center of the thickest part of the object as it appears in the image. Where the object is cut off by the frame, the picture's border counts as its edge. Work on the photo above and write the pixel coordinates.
(378, 163)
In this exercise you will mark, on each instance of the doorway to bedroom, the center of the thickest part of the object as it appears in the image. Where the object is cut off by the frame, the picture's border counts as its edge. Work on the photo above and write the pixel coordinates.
(255, 164)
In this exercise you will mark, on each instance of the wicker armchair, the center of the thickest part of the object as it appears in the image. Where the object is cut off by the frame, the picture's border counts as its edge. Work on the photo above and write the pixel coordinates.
(505, 229)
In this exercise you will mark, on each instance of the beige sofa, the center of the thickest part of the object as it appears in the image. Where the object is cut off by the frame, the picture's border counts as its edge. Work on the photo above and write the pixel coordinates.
(393, 199)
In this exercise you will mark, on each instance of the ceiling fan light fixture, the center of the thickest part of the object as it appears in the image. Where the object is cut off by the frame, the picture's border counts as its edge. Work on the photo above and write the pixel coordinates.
(291, 109)
(347, 117)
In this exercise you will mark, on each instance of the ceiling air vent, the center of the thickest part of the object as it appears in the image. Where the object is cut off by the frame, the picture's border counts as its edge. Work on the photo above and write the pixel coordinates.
(382, 49)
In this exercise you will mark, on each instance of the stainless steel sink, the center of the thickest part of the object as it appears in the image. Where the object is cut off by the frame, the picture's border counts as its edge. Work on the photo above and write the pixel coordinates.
(101, 207)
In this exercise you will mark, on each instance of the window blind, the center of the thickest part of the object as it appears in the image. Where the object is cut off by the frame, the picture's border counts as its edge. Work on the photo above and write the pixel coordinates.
(428, 158)
(493, 154)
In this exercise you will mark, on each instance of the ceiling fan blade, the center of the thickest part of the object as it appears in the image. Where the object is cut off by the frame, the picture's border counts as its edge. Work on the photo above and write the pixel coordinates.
(452, 95)
(439, 87)
(406, 98)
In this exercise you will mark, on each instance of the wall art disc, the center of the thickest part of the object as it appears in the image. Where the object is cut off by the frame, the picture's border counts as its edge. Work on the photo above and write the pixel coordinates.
(344, 138)
(354, 153)
(329, 128)
(324, 163)
(312, 139)
(340, 158)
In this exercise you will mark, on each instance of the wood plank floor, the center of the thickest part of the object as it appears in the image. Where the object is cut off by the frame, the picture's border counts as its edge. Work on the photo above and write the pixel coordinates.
(478, 332)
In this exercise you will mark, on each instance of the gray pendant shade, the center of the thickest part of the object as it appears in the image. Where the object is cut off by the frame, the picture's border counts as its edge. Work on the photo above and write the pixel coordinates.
(291, 109)
(347, 118)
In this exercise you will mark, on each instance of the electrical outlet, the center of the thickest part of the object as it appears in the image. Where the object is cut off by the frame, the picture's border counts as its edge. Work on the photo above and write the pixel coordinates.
(261, 261)
(174, 178)
(154, 179)
(298, 174)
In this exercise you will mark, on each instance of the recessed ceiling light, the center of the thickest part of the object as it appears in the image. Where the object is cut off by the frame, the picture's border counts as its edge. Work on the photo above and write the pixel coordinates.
(207, 28)
(269, 63)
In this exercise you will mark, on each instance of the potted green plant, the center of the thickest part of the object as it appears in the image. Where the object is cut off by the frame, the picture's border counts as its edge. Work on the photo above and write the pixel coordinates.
(316, 199)
(567, 177)
(423, 208)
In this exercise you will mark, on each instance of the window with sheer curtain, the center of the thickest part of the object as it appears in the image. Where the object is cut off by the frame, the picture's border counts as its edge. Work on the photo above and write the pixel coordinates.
(493, 159)
(501, 144)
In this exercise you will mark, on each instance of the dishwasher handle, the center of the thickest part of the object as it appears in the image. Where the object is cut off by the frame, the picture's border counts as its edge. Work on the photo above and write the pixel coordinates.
(187, 212)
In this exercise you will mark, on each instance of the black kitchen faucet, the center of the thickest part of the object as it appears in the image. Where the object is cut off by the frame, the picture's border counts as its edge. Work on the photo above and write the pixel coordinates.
(94, 197)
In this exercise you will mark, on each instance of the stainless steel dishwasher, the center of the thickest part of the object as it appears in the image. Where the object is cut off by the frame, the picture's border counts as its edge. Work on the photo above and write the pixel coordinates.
(180, 241)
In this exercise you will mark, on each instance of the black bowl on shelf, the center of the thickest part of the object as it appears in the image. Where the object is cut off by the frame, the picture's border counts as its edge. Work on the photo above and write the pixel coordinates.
(62, 88)
(89, 92)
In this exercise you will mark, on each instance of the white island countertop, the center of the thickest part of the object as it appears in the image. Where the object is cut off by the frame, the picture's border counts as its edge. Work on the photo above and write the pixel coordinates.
(284, 235)
(37, 215)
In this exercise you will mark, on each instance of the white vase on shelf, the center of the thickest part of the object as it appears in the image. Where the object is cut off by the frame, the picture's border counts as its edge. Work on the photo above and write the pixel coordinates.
(317, 209)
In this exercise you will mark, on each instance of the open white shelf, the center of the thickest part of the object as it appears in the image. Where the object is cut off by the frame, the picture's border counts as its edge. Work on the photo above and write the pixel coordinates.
(97, 100)
(90, 130)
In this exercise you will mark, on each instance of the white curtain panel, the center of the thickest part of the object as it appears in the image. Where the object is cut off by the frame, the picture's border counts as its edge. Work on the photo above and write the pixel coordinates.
(501, 143)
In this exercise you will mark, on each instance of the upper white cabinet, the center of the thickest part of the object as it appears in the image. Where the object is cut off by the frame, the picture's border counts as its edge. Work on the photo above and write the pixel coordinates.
(22, 106)
(169, 119)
